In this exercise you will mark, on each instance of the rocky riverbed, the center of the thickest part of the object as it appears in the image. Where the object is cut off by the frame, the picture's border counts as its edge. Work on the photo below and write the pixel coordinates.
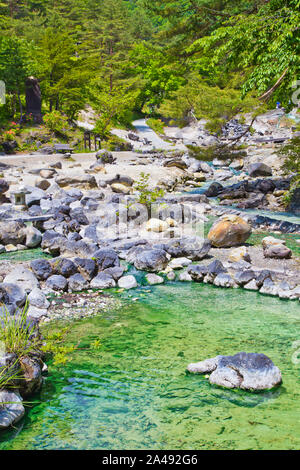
(86, 216)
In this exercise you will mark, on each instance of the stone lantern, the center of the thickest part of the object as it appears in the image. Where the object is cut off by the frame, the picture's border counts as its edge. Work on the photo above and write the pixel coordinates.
(20, 199)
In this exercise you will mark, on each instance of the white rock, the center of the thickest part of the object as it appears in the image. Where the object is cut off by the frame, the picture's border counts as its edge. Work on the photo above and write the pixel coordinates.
(127, 282)
(154, 279)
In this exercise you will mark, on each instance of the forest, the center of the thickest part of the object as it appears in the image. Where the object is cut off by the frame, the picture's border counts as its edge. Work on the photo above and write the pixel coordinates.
(172, 59)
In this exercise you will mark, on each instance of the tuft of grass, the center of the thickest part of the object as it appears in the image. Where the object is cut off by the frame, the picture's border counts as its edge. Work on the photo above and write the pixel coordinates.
(17, 333)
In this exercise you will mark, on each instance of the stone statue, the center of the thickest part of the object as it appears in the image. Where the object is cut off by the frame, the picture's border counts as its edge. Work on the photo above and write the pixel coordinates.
(33, 100)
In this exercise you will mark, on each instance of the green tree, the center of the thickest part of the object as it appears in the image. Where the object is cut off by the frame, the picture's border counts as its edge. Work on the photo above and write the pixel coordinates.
(14, 69)
(63, 72)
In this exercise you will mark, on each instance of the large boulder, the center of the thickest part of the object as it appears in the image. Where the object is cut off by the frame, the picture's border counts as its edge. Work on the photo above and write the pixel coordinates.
(259, 169)
(214, 190)
(229, 231)
(105, 157)
(33, 237)
(193, 248)
(41, 268)
(103, 281)
(151, 260)
(279, 251)
(12, 233)
(22, 277)
(247, 371)
(82, 181)
(57, 283)
(106, 258)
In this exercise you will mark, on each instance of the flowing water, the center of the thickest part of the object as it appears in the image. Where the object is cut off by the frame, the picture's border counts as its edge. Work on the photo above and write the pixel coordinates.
(134, 393)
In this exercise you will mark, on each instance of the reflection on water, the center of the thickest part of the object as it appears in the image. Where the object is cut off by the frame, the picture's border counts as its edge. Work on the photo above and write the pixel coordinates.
(134, 393)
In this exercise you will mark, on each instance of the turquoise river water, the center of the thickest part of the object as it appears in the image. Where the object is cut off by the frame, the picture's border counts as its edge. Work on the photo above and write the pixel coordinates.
(134, 393)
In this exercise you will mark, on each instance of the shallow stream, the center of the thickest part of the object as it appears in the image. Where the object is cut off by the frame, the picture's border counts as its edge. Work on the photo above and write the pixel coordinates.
(134, 393)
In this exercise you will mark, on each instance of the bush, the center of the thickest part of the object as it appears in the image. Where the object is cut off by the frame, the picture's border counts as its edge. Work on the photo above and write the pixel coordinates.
(221, 152)
(147, 196)
(56, 122)
(157, 125)
(116, 144)
(291, 154)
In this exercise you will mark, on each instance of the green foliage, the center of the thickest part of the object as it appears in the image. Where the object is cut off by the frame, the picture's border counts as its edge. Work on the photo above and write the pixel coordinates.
(116, 144)
(199, 100)
(147, 196)
(221, 152)
(56, 122)
(8, 377)
(157, 125)
(291, 154)
(55, 347)
(17, 334)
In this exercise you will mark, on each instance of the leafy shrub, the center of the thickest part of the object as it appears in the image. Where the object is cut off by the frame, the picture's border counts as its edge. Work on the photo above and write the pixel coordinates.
(147, 196)
(157, 125)
(56, 122)
(116, 144)
(221, 152)
(291, 154)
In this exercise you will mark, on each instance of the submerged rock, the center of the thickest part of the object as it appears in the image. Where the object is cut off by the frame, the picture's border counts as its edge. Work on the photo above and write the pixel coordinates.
(247, 371)
(11, 408)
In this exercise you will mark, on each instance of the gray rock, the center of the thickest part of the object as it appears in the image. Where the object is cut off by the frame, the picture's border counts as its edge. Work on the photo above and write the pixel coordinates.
(103, 281)
(259, 169)
(171, 276)
(12, 232)
(252, 285)
(115, 272)
(224, 280)
(78, 283)
(105, 157)
(151, 260)
(38, 299)
(279, 251)
(12, 294)
(11, 408)
(41, 268)
(106, 258)
(23, 278)
(36, 313)
(197, 272)
(247, 371)
(57, 283)
(86, 267)
(63, 266)
(244, 277)
(32, 379)
(127, 282)
(185, 277)
(154, 279)
(269, 287)
(33, 237)
(193, 248)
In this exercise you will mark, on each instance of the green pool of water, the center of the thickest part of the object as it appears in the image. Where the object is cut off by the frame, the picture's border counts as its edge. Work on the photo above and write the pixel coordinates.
(134, 392)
